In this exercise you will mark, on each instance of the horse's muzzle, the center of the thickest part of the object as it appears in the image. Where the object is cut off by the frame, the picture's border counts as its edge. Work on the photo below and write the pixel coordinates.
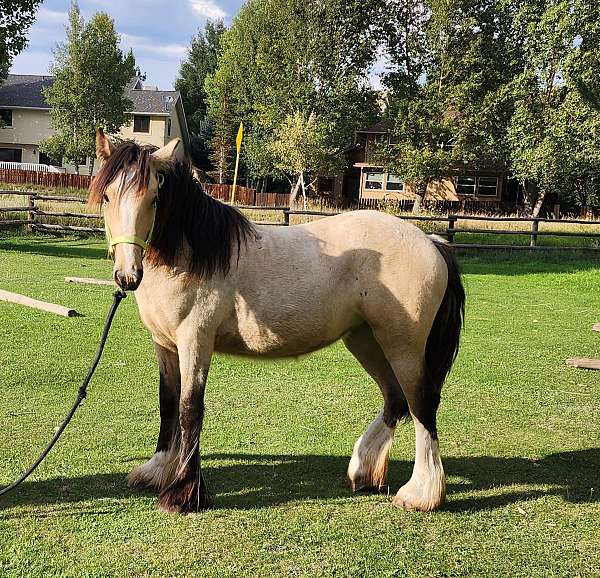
(129, 281)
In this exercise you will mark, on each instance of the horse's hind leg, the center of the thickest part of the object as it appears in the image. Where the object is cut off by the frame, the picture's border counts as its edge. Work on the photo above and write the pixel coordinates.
(369, 463)
(426, 489)
(158, 471)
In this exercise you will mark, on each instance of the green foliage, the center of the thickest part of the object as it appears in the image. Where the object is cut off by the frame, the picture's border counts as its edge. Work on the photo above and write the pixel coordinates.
(300, 145)
(554, 133)
(450, 62)
(90, 74)
(286, 56)
(200, 62)
(16, 16)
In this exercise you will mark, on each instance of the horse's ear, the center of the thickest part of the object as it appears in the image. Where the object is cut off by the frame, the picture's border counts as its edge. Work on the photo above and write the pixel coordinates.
(104, 148)
(168, 154)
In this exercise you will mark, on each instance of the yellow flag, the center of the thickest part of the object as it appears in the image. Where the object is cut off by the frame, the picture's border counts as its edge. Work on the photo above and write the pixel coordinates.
(238, 139)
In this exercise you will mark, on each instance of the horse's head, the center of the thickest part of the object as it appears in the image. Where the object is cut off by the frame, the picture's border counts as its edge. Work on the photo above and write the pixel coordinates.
(127, 186)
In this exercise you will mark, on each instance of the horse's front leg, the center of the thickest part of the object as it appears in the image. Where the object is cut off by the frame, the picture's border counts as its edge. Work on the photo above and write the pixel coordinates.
(187, 491)
(158, 472)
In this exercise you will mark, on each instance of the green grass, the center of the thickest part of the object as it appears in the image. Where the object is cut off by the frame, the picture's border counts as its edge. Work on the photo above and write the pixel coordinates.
(519, 430)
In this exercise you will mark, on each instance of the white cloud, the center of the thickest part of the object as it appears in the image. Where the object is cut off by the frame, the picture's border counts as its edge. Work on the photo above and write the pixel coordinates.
(208, 9)
(142, 44)
(46, 17)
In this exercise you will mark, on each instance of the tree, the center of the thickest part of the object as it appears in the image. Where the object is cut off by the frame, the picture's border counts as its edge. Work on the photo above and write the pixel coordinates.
(201, 61)
(301, 146)
(450, 63)
(554, 132)
(281, 57)
(16, 16)
(90, 74)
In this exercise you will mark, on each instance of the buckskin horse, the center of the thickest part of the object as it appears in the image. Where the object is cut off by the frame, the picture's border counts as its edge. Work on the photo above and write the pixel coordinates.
(207, 280)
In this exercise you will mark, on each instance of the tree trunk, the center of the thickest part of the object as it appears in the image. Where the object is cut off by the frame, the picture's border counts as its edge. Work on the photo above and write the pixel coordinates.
(303, 191)
(420, 196)
(529, 192)
(92, 162)
(294, 193)
(538, 204)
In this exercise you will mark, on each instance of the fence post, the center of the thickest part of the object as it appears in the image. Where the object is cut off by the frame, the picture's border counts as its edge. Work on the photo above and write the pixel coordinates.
(31, 212)
(450, 232)
(534, 231)
(286, 217)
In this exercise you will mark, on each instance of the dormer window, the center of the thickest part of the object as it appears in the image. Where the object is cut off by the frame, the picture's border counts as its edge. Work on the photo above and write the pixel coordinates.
(141, 123)
(5, 117)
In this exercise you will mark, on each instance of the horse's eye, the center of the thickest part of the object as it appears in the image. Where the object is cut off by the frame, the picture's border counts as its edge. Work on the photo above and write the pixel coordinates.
(105, 198)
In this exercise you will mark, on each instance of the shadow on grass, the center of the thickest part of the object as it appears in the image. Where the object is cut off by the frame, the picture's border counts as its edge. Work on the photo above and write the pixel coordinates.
(54, 247)
(246, 481)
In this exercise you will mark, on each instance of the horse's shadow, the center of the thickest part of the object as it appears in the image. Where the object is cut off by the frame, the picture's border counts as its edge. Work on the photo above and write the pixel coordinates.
(247, 481)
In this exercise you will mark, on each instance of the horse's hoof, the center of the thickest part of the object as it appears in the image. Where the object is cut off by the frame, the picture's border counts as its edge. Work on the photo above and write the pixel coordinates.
(414, 496)
(185, 497)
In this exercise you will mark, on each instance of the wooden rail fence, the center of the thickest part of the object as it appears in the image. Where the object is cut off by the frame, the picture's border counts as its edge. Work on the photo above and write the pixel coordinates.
(35, 218)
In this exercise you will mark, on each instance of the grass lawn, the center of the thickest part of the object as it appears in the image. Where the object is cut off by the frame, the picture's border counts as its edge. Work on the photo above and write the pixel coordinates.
(519, 430)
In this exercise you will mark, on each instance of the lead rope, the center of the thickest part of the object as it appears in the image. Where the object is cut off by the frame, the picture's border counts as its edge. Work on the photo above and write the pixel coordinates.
(118, 295)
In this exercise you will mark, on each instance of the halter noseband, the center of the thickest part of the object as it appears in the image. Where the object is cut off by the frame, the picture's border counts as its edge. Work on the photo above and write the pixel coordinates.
(143, 244)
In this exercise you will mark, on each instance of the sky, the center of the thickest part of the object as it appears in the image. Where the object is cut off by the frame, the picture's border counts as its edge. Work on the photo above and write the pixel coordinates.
(158, 31)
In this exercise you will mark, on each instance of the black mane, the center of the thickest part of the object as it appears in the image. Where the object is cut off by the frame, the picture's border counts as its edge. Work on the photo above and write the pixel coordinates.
(185, 214)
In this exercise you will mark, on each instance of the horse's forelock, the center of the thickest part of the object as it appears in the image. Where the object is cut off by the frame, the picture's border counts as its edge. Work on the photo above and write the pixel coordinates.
(129, 158)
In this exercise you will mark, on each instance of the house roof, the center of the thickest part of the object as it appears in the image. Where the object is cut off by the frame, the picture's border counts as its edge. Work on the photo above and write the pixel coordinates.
(25, 91)
(150, 99)
(381, 126)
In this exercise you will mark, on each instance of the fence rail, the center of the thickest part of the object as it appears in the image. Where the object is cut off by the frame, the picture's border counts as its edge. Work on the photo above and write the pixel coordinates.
(36, 217)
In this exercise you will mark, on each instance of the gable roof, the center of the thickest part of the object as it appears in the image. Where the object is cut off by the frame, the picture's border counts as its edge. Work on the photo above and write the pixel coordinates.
(150, 100)
(25, 91)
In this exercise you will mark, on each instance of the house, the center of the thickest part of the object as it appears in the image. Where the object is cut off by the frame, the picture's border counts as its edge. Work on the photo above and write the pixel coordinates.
(156, 118)
(366, 182)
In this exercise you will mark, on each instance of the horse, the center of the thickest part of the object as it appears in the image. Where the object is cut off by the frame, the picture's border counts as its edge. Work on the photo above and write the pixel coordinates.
(207, 280)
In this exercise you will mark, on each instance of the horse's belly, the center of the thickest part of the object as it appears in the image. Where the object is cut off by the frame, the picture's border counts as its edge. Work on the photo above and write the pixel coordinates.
(282, 339)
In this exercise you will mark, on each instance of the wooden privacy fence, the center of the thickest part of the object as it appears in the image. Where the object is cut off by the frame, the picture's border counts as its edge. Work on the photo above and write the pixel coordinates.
(54, 180)
(246, 196)
(34, 218)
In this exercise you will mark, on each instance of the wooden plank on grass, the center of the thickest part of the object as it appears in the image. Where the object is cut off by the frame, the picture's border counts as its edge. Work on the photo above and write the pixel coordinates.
(88, 281)
(35, 304)
(596, 327)
(584, 362)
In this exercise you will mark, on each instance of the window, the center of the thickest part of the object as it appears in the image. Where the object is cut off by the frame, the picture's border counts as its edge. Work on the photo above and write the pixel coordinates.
(141, 123)
(168, 127)
(374, 180)
(466, 185)
(5, 117)
(477, 186)
(393, 183)
(11, 155)
(487, 186)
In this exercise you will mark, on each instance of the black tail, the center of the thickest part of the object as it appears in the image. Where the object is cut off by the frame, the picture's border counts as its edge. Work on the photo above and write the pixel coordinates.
(444, 338)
